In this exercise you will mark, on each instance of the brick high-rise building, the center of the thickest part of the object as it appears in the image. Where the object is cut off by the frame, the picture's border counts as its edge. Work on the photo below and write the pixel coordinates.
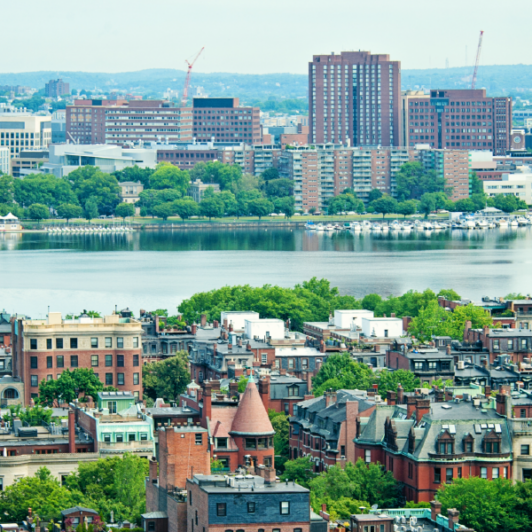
(462, 119)
(56, 88)
(119, 122)
(111, 346)
(354, 98)
(223, 120)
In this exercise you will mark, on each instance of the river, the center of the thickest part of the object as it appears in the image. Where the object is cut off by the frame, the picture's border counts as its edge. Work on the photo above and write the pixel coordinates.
(158, 269)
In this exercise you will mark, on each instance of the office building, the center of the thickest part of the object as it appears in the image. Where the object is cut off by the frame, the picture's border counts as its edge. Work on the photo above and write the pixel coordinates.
(55, 88)
(121, 122)
(406, 96)
(111, 346)
(4, 160)
(518, 184)
(59, 126)
(21, 131)
(461, 119)
(354, 98)
(223, 120)
(28, 162)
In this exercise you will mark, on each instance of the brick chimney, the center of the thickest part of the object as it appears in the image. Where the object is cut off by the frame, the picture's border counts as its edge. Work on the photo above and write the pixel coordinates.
(330, 398)
(215, 324)
(225, 323)
(400, 394)
(207, 402)
(435, 509)
(308, 377)
(453, 515)
(501, 403)
(153, 470)
(377, 348)
(157, 318)
(448, 349)
(231, 326)
(322, 346)
(233, 389)
(248, 347)
(392, 315)
(410, 406)
(448, 395)
(267, 473)
(204, 320)
(391, 398)
(193, 328)
(214, 348)
(439, 395)
(422, 408)
(264, 390)
(467, 327)
(71, 431)
(487, 391)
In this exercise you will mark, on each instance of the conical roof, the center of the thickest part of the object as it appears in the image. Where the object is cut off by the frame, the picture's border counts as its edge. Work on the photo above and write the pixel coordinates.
(251, 417)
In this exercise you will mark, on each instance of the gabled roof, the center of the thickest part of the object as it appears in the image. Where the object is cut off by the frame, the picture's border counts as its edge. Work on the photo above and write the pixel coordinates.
(251, 416)
(77, 509)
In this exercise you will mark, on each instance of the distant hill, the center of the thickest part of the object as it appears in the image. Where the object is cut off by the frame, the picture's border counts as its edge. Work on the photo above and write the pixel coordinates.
(497, 79)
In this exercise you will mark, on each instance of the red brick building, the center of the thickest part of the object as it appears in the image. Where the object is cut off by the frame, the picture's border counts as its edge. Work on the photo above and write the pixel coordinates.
(111, 346)
(354, 97)
(223, 120)
(461, 119)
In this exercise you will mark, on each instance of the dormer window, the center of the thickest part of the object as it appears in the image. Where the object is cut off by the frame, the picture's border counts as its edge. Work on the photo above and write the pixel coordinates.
(492, 443)
(445, 443)
(469, 444)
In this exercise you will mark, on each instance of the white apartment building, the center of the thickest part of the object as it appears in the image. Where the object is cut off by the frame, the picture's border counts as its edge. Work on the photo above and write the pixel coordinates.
(518, 184)
(22, 131)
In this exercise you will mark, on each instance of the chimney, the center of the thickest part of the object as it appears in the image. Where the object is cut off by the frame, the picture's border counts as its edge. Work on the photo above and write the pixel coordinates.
(467, 327)
(377, 348)
(330, 398)
(204, 320)
(248, 347)
(487, 391)
(400, 394)
(322, 346)
(308, 377)
(153, 470)
(215, 324)
(422, 408)
(231, 326)
(435, 509)
(501, 402)
(207, 402)
(448, 395)
(233, 389)
(214, 348)
(225, 323)
(268, 474)
(448, 349)
(157, 318)
(453, 515)
(71, 432)
(194, 328)
(240, 342)
(439, 395)
(410, 406)
(391, 398)
(264, 390)
(392, 314)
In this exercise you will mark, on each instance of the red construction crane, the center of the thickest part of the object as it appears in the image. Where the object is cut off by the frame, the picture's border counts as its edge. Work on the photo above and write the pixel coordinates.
(187, 79)
(474, 80)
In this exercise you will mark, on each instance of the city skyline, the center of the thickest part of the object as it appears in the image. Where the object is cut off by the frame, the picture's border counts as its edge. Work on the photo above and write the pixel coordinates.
(287, 41)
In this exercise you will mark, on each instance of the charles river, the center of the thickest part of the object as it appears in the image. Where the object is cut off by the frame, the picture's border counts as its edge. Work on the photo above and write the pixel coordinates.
(158, 269)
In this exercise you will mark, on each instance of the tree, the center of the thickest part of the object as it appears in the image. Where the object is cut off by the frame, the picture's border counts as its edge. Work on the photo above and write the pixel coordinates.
(427, 204)
(374, 194)
(478, 317)
(300, 470)
(69, 211)
(211, 208)
(385, 205)
(69, 386)
(476, 185)
(7, 188)
(41, 492)
(91, 209)
(465, 205)
(163, 210)
(134, 174)
(479, 200)
(279, 188)
(449, 294)
(38, 212)
(185, 208)
(270, 174)
(124, 210)
(430, 321)
(260, 207)
(286, 206)
(412, 181)
(406, 208)
(370, 301)
(487, 505)
(508, 203)
(166, 379)
(343, 203)
(129, 481)
(388, 381)
(34, 416)
(169, 176)
(280, 425)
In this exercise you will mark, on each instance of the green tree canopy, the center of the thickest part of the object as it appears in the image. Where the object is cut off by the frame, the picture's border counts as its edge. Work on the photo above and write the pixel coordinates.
(385, 205)
(374, 194)
(412, 181)
(260, 207)
(134, 174)
(7, 188)
(38, 212)
(449, 294)
(211, 208)
(91, 209)
(125, 210)
(185, 208)
(169, 176)
(406, 208)
(280, 425)
(69, 211)
(345, 203)
(279, 188)
(227, 176)
(388, 381)
(45, 189)
(163, 210)
(285, 206)
(167, 379)
(301, 470)
(270, 174)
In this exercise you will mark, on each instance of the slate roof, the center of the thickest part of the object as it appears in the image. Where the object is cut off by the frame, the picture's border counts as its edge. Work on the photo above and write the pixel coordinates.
(251, 416)
(76, 509)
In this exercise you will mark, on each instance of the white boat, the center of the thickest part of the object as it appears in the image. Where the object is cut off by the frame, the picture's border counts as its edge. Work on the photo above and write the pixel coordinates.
(522, 221)
(502, 222)
(482, 224)
(329, 227)
(376, 227)
(355, 226)
(319, 227)
(468, 224)
(514, 223)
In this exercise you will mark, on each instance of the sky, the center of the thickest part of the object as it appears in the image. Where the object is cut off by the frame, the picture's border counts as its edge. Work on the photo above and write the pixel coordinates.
(256, 36)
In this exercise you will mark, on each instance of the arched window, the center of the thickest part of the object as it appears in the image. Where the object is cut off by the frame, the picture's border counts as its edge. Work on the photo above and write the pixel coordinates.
(10, 393)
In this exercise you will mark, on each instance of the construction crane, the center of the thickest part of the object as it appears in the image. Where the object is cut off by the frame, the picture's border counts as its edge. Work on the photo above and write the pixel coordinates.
(187, 79)
(474, 80)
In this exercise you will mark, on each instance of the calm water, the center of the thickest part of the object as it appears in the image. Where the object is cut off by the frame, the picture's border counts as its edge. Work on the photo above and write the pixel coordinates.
(159, 269)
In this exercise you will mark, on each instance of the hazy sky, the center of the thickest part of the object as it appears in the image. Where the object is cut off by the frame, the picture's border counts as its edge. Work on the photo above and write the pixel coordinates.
(250, 36)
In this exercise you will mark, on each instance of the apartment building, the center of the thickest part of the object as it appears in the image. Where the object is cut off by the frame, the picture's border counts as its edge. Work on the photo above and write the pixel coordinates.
(406, 96)
(21, 131)
(56, 88)
(354, 99)
(111, 346)
(223, 120)
(120, 122)
(253, 159)
(461, 119)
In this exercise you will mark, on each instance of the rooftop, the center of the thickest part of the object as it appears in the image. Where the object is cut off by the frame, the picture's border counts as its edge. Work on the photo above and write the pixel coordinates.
(245, 484)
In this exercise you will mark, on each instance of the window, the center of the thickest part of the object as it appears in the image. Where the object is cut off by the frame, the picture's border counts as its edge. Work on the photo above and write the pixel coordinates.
(483, 472)
(492, 447)
(120, 379)
(34, 381)
(74, 361)
(120, 361)
(109, 379)
(120, 343)
(119, 438)
(367, 456)
(342, 451)
(448, 475)
(94, 343)
(264, 358)
(285, 508)
(437, 475)
(221, 443)
(73, 343)
(410, 471)
(135, 360)
(494, 472)
(418, 366)
(33, 343)
(523, 412)
(49, 362)
(135, 342)
(60, 361)
(109, 360)
(33, 362)
(135, 378)
(459, 472)
(108, 342)
(131, 437)
(525, 449)
(143, 436)
(221, 509)
(111, 405)
(151, 526)
(251, 443)
(199, 439)
(107, 438)
(48, 343)
(94, 360)
(251, 507)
